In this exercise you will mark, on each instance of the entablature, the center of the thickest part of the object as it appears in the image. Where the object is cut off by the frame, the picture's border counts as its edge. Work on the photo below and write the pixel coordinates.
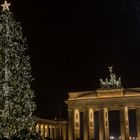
(111, 103)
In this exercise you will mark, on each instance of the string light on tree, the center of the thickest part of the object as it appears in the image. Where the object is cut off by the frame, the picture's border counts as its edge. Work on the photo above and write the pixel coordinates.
(16, 95)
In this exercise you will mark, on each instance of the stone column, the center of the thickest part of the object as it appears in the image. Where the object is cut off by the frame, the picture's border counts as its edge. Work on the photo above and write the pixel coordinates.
(138, 122)
(51, 132)
(60, 132)
(106, 123)
(86, 123)
(64, 133)
(76, 124)
(124, 123)
(91, 124)
(101, 124)
(55, 133)
(70, 124)
(122, 128)
(37, 127)
(42, 129)
(46, 131)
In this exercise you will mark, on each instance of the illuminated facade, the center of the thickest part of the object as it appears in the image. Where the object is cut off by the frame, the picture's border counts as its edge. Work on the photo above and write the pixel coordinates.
(54, 129)
(82, 107)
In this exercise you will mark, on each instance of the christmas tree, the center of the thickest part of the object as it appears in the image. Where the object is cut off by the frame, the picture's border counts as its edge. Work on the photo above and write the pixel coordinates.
(16, 95)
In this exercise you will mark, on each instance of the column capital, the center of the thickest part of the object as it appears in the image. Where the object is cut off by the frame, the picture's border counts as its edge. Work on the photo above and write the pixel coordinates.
(123, 107)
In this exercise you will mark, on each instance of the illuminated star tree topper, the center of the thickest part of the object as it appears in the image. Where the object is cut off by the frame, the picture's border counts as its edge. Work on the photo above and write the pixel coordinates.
(5, 6)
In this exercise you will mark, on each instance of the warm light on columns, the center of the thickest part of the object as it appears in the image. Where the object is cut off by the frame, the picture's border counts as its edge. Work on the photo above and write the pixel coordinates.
(37, 127)
(126, 116)
(91, 118)
(42, 130)
(91, 123)
(76, 118)
(46, 131)
(76, 123)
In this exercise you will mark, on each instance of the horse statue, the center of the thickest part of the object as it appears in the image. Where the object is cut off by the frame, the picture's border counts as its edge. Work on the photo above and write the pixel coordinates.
(112, 83)
(103, 84)
(118, 82)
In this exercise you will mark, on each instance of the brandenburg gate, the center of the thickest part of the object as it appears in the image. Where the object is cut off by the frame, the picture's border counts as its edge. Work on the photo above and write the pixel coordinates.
(111, 96)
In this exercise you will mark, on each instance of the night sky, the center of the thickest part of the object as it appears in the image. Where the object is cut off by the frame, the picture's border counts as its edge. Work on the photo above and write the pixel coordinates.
(71, 45)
